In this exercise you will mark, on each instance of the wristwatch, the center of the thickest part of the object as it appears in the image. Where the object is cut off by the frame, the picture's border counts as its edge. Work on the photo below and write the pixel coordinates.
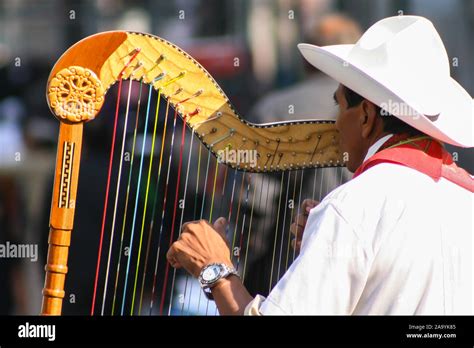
(211, 274)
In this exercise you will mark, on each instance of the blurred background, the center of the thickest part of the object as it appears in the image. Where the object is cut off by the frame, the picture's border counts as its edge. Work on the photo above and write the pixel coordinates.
(248, 46)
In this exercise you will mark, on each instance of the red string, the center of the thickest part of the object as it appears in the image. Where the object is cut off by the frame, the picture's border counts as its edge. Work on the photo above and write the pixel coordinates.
(174, 212)
(163, 210)
(106, 197)
(104, 215)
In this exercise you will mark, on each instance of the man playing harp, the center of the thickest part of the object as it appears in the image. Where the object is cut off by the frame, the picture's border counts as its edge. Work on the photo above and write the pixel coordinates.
(397, 238)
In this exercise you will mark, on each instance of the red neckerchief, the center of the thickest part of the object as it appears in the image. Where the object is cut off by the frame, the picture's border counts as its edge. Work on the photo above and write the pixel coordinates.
(423, 154)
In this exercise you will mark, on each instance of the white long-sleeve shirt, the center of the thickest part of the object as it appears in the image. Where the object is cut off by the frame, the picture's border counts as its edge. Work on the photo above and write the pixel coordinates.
(391, 241)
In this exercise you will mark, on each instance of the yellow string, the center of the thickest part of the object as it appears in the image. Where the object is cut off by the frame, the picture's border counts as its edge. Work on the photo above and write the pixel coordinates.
(213, 191)
(146, 198)
(238, 212)
(159, 174)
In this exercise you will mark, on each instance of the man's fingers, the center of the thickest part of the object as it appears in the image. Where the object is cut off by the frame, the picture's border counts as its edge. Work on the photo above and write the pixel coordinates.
(296, 245)
(187, 226)
(171, 256)
(175, 264)
(307, 205)
(296, 230)
(301, 219)
(220, 225)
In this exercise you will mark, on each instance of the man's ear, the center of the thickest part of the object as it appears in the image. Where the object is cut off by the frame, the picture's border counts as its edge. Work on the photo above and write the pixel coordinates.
(368, 118)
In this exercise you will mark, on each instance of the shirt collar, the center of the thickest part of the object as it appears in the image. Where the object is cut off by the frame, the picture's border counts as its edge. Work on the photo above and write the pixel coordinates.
(375, 146)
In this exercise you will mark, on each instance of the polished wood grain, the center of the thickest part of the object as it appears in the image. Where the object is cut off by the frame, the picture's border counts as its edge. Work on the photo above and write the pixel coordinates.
(62, 215)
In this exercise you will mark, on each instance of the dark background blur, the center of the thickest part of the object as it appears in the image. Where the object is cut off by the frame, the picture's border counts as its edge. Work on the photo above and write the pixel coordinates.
(262, 34)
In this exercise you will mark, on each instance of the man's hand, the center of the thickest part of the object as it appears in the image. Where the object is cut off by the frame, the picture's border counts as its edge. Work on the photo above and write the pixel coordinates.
(299, 223)
(199, 245)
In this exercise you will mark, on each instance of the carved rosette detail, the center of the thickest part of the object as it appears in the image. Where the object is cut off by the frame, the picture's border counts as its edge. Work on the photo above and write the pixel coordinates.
(75, 94)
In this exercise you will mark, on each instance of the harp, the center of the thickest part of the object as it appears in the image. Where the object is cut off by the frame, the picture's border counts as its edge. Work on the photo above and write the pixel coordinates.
(183, 138)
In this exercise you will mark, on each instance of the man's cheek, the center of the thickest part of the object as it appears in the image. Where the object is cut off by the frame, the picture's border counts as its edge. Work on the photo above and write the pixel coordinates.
(342, 140)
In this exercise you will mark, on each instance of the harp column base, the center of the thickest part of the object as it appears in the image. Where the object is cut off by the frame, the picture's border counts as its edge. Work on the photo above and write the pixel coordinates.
(62, 216)
(56, 270)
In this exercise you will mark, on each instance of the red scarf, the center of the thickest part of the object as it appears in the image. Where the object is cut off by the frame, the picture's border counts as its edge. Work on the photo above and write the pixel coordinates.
(423, 154)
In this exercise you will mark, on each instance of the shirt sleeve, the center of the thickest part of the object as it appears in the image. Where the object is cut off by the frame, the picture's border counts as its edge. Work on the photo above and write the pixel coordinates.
(253, 308)
(329, 275)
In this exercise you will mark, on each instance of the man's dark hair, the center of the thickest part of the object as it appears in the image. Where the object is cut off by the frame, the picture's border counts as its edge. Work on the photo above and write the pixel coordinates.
(391, 124)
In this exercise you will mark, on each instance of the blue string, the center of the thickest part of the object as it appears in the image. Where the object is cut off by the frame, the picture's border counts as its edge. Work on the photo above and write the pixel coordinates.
(136, 198)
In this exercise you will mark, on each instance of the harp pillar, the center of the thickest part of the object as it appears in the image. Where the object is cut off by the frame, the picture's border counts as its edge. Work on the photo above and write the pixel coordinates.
(75, 95)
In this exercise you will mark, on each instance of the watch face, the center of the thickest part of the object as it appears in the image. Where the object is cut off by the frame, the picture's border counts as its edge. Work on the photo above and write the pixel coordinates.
(211, 273)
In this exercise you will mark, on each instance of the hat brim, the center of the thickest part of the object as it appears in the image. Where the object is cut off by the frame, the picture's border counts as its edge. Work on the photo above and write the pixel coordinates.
(453, 124)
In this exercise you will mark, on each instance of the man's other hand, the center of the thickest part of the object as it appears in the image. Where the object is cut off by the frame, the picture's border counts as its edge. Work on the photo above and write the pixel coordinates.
(299, 223)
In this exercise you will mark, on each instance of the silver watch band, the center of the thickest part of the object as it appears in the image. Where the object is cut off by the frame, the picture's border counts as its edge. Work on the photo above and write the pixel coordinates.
(226, 271)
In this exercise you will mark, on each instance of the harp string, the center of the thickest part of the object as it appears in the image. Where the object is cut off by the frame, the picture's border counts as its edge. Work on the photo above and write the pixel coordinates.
(202, 207)
(210, 213)
(145, 206)
(219, 214)
(239, 252)
(109, 174)
(197, 183)
(181, 149)
(314, 183)
(210, 216)
(237, 215)
(155, 200)
(320, 194)
(206, 301)
(243, 220)
(160, 235)
(182, 215)
(129, 180)
(259, 221)
(164, 209)
(276, 231)
(273, 227)
(291, 219)
(264, 217)
(298, 212)
(166, 186)
(205, 185)
(149, 175)
(249, 231)
(124, 134)
(341, 170)
(274, 187)
(284, 224)
(222, 202)
(213, 191)
(194, 218)
(229, 217)
(137, 194)
(227, 231)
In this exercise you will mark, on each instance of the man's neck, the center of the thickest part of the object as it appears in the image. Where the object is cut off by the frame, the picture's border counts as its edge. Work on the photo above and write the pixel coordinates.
(380, 140)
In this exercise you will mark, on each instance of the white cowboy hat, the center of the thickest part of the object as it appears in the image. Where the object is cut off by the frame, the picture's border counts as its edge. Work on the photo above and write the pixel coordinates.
(401, 64)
